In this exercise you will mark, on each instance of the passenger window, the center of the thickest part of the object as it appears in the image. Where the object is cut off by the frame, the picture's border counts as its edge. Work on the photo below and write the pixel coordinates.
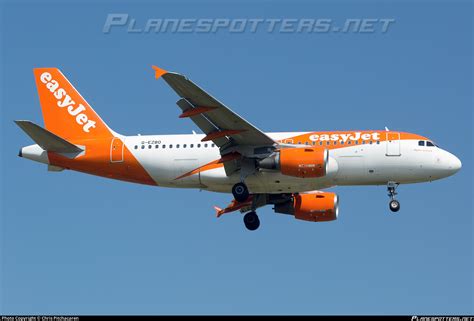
(136, 146)
(143, 146)
(171, 146)
(299, 142)
(421, 143)
(184, 145)
(164, 146)
(335, 143)
(306, 143)
(157, 146)
(357, 142)
(177, 146)
(370, 142)
(213, 145)
(198, 145)
(429, 144)
(378, 142)
(327, 143)
(363, 142)
(342, 143)
(205, 145)
(349, 142)
(191, 145)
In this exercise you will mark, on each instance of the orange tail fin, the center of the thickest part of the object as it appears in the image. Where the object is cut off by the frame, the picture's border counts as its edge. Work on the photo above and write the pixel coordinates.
(65, 112)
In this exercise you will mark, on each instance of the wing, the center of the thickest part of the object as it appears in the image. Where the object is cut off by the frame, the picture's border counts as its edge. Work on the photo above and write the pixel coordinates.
(220, 124)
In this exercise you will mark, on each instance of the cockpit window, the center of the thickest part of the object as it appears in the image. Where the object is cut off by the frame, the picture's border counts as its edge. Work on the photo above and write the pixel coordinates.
(429, 143)
(421, 143)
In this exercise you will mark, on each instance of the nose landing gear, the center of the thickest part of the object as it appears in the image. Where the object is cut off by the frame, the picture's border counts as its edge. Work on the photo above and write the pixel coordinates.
(394, 205)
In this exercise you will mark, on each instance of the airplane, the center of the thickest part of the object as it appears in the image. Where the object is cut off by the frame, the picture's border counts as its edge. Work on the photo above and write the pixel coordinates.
(289, 170)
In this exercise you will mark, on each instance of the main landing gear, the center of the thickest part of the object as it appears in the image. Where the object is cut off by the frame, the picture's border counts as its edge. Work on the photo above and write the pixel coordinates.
(241, 195)
(251, 221)
(240, 192)
(394, 205)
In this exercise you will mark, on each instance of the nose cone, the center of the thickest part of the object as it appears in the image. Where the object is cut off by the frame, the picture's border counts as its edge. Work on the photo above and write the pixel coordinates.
(446, 164)
(454, 163)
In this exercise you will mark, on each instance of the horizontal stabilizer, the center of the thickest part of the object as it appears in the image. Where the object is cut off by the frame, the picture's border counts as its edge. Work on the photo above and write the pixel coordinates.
(46, 139)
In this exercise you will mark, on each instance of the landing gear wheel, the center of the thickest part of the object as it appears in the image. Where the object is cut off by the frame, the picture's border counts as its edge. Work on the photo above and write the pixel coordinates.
(240, 192)
(394, 205)
(251, 221)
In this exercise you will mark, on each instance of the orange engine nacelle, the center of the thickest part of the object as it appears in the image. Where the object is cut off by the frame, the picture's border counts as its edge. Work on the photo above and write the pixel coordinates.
(299, 162)
(303, 162)
(315, 207)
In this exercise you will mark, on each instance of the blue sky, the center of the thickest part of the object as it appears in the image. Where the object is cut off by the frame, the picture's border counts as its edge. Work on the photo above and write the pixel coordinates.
(78, 244)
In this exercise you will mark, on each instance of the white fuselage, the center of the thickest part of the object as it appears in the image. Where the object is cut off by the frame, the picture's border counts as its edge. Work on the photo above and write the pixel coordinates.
(167, 157)
(76, 138)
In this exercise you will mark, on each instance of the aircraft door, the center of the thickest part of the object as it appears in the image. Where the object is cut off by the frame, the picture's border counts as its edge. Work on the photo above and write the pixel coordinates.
(116, 150)
(393, 144)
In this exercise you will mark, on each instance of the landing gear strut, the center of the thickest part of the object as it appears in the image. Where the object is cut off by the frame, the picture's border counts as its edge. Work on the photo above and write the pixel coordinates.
(251, 221)
(394, 205)
(240, 192)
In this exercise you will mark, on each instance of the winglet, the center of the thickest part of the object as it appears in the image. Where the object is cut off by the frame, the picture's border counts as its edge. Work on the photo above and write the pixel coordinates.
(219, 211)
(159, 72)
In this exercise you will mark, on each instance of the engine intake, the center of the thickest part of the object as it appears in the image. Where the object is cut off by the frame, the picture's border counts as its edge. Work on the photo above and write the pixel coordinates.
(298, 162)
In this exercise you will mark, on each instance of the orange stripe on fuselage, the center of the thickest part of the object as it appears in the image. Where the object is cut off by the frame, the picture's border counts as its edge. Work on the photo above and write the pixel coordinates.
(214, 164)
(96, 161)
(329, 141)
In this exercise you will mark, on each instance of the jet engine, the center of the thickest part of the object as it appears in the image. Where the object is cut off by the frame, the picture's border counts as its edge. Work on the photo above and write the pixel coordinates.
(315, 207)
(298, 162)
